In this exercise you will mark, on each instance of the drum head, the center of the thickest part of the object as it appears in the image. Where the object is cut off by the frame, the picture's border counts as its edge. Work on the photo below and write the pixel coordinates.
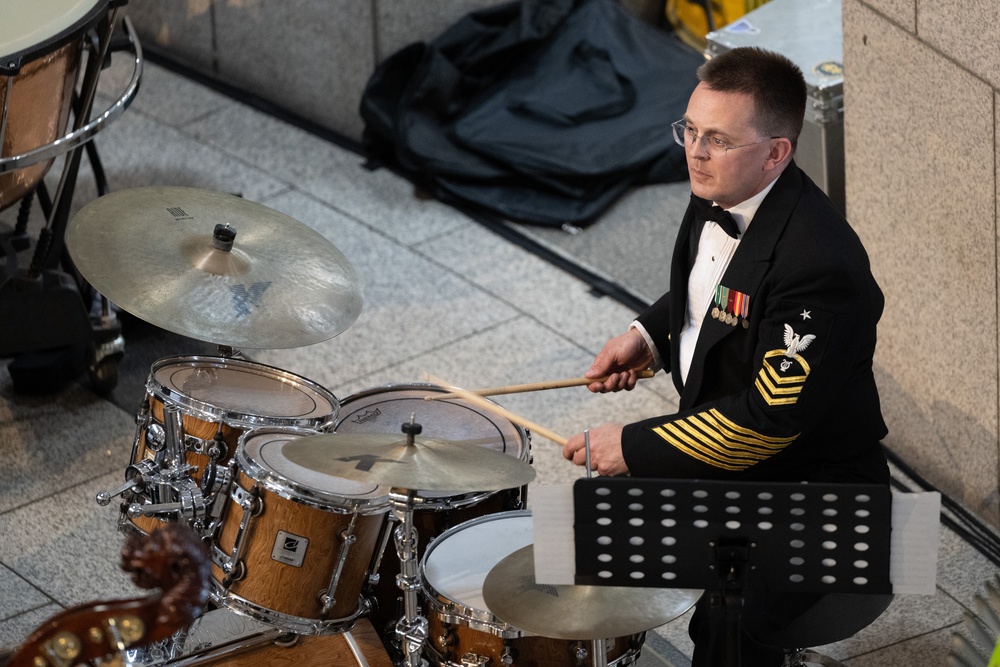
(34, 27)
(241, 392)
(386, 409)
(260, 456)
(456, 563)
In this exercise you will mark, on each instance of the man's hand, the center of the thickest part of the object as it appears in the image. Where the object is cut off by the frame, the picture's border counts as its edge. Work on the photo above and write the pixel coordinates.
(620, 358)
(605, 450)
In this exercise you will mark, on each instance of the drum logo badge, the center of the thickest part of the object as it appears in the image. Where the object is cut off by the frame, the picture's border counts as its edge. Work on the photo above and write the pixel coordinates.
(289, 548)
(367, 416)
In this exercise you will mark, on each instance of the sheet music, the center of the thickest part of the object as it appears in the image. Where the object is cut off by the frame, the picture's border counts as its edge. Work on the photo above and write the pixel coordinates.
(552, 522)
(916, 519)
(913, 552)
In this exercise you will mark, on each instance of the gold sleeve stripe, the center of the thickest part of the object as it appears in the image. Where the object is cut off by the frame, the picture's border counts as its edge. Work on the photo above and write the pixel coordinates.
(771, 400)
(729, 439)
(696, 454)
(708, 440)
(722, 419)
(766, 381)
(782, 380)
(712, 438)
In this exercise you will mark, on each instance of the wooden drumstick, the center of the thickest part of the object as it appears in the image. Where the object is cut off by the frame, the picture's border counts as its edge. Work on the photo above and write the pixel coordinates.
(479, 401)
(536, 386)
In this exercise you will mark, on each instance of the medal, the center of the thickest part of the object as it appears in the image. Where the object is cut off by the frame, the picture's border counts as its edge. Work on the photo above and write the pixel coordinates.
(731, 307)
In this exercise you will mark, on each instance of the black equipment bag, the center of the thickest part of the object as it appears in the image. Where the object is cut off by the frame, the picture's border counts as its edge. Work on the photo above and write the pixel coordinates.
(541, 111)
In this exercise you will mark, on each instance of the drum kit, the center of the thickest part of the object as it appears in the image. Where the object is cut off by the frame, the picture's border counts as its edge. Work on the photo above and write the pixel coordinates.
(297, 494)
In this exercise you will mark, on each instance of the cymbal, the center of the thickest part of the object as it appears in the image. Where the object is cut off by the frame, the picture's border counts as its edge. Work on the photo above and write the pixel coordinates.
(576, 612)
(168, 256)
(427, 464)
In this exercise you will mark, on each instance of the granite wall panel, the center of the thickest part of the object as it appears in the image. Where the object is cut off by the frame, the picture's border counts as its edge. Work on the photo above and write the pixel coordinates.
(920, 164)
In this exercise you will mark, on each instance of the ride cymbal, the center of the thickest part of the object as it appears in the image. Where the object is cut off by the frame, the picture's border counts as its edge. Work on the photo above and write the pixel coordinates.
(426, 464)
(214, 267)
(576, 612)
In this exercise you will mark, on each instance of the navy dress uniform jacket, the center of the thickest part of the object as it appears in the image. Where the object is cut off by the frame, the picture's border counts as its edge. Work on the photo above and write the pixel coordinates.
(781, 386)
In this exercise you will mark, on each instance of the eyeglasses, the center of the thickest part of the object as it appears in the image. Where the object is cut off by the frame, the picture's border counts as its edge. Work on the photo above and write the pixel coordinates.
(714, 146)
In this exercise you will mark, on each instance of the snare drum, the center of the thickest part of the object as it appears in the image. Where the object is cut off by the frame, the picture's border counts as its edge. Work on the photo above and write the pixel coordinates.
(384, 410)
(41, 42)
(219, 400)
(295, 545)
(461, 630)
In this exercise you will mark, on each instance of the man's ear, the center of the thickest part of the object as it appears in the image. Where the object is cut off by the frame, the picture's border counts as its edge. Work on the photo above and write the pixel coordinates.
(781, 153)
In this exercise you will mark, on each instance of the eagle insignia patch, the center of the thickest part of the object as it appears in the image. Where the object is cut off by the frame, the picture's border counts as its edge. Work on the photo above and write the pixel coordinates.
(784, 371)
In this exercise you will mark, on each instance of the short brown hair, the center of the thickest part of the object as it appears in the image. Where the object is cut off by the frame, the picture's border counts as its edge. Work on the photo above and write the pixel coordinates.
(774, 82)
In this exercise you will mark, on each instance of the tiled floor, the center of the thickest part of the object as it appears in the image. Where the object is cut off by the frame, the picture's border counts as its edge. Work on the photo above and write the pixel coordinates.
(442, 296)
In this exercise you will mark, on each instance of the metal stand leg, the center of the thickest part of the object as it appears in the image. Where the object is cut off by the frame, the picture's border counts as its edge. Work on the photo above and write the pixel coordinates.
(411, 631)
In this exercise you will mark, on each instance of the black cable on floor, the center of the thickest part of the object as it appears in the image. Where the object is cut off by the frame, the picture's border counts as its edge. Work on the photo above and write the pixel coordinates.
(953, 515)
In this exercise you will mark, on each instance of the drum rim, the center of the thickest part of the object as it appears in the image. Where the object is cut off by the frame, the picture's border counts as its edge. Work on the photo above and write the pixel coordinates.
(232, 417)
(298, 624)
(289, 489)
(477, 619)
(12, 63)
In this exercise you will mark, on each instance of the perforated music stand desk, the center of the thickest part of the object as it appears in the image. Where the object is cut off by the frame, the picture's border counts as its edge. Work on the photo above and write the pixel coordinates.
(732, 537)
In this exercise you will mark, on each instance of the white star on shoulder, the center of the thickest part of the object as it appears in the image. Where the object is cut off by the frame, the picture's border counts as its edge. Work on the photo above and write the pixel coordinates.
(795, 343)
(806, 315)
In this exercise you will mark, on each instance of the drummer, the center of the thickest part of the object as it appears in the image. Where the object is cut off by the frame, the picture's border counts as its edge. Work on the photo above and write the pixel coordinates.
(768, 329)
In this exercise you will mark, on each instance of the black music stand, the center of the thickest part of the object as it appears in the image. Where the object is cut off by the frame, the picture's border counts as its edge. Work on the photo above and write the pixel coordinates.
(731, 537)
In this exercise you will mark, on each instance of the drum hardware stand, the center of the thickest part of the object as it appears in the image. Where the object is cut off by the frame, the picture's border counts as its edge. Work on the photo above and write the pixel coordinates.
(738, 537)
(55, 337)
(215, 635)
(173, 494)
(411, 629)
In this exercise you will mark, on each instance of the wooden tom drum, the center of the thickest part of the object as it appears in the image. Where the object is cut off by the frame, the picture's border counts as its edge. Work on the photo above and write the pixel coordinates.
(219, 400)
(296, 545)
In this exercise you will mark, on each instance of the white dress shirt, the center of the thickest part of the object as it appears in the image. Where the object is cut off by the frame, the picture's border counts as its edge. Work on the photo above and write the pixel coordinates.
(715, 250)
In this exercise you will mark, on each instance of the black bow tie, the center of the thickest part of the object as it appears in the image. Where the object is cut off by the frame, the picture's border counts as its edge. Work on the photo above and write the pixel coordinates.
(703, 210)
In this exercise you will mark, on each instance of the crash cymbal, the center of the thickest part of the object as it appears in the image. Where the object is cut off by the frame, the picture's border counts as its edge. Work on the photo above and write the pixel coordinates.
(214, 267)
(427, 464)
(576, 612)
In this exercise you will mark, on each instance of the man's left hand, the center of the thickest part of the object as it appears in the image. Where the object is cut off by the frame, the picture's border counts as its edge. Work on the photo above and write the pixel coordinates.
(605, 450)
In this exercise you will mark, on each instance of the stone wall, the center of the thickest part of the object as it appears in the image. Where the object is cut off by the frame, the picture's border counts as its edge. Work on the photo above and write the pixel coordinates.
(921, 81)
(310, 57)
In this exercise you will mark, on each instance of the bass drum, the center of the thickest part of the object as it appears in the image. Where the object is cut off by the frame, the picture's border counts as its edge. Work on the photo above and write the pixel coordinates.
(384, 410)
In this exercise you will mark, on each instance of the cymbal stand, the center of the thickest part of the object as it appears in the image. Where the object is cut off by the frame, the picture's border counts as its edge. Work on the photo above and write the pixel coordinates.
(411, 630)
(599, 649)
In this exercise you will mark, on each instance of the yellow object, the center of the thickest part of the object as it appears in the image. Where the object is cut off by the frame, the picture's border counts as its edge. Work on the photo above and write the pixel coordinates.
(995, 658)
(690, 21)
